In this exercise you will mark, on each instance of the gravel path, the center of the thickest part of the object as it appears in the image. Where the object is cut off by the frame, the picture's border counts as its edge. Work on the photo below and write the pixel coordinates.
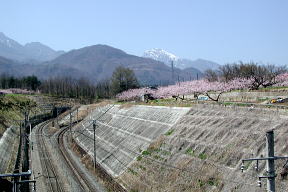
(98, 186)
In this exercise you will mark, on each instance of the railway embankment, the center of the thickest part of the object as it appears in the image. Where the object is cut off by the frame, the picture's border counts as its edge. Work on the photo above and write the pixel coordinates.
(158, 148)
(203, 151)
(9, 143)
(200, 148)
(121, 134)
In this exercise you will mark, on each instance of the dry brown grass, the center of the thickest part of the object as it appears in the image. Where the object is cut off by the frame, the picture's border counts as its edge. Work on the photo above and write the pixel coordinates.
(157, 144)
(126, 105)
(52, 130)
(84, 110)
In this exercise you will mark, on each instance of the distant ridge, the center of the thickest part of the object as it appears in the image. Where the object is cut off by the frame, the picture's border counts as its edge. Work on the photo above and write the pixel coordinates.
(8, 67)
(31, 52)
(99, 62)
(96, 63)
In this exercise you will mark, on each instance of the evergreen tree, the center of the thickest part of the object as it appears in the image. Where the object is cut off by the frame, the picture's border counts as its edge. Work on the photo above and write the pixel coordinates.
(122, 80)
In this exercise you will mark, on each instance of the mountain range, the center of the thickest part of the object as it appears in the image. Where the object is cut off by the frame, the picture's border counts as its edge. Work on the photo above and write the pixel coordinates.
(181, 63)
(95, 62)
(34, 52)
(99, 61)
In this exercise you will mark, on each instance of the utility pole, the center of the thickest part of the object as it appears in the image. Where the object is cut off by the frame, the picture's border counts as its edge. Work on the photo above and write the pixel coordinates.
(94, 139)
(30, 155)
(57, 117)
(77, 114)
(70, 126)
(172, 68)
(25, 142)
(270, 164)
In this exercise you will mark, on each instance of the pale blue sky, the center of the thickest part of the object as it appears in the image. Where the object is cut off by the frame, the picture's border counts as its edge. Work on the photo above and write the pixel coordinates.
(218, 30)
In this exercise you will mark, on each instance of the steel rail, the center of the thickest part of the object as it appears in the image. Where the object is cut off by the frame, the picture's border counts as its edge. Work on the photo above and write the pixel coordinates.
(53, 181)
(78, 174)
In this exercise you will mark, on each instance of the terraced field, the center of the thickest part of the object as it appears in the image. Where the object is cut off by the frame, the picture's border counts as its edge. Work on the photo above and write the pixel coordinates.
(204, 149)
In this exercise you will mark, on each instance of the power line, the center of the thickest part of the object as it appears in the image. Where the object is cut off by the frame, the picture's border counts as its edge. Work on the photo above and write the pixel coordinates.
(98, 118)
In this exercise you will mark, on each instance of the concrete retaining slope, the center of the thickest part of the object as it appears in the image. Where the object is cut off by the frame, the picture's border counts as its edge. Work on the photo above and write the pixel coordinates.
(123, 132)
(8, 149)
(206, 148)
(252, 96)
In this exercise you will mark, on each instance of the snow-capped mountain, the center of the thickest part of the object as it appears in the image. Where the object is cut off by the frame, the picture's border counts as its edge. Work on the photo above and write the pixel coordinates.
(35, 52)
(160, 55)
(10, 48)
(166, 57)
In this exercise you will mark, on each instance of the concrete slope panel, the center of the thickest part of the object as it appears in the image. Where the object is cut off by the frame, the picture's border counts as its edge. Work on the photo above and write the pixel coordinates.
(123, 132)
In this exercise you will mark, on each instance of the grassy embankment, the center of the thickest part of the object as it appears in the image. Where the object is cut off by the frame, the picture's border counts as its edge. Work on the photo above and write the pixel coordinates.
(11, 114)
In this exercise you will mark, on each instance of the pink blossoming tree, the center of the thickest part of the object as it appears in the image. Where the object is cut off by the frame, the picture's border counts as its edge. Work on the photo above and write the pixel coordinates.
(213, 90)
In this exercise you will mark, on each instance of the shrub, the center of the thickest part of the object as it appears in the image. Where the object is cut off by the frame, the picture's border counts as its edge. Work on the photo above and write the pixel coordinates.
(169, 132)
(202, 156)
(190, 152)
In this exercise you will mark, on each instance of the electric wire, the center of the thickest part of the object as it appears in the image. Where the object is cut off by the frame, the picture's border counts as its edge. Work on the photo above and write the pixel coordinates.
(159, 162)
(98, 118)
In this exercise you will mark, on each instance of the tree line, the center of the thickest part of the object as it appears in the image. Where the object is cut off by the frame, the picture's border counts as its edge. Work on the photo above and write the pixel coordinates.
(122, 79)
(261, 75)
(29, 82)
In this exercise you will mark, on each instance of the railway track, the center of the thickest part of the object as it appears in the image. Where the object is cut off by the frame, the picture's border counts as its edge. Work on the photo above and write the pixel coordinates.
(52, 181)
(77, 172)
(73, 169)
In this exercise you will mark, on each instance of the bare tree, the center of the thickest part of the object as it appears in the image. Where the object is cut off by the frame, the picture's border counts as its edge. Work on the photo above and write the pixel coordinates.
(262, 75)
(211, 75)
(68, 87)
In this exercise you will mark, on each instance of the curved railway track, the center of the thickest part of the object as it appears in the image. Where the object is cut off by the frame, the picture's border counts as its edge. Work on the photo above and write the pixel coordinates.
(77, 172)
(52, 181)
